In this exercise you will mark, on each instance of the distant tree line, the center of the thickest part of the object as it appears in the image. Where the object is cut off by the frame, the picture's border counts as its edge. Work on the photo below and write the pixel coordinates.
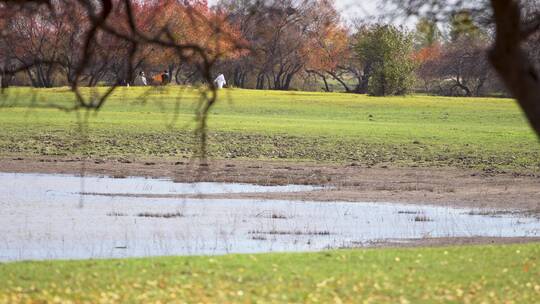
(51, 41)
(278, 45)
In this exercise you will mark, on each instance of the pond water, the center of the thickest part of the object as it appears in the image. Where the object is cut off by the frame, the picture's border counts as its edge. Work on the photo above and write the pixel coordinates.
(60, 184)
(40, 218)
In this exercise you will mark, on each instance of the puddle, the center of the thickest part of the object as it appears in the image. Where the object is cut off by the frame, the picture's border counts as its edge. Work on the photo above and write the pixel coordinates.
(36, 184)
(36, 224)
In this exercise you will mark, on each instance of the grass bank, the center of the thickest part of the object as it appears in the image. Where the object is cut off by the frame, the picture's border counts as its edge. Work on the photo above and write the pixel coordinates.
(470, 274)
(482, 133)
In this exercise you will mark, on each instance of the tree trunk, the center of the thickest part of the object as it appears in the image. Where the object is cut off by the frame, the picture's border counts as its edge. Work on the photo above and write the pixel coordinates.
(287, 84)
(4, 81)
(31, 77)
(335, 76)
(177, 75)
(480, 85)
(239, 77)
(463, 87)
(268, 81)
(326, 88)
(511, 62)
(260, 81)
(171, 68)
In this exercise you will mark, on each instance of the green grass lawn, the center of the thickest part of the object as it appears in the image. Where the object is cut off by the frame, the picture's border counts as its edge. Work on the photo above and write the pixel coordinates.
(480, 133)
(483, 133)
(469, 274)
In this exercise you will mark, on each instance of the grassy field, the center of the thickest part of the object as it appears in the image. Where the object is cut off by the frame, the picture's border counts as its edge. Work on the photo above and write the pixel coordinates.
(474, 274)
(427, 131)
(481, 133)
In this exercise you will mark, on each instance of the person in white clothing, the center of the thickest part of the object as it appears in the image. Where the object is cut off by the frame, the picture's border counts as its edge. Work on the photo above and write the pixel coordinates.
(143, 79)
(140, 80)
(220, 81)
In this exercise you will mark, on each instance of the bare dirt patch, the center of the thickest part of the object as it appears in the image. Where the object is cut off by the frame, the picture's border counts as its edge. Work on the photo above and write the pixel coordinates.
(348, 182)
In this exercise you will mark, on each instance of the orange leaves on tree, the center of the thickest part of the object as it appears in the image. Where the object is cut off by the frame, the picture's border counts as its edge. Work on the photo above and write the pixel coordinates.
(328, 48)
(428, 53)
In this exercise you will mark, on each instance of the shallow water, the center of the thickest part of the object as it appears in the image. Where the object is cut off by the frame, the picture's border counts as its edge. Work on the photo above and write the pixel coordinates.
(41, 219)
(60, 184)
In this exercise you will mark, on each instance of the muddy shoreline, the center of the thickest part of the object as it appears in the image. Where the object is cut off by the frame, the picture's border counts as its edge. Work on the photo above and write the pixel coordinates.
(453, 241)
(351, 182)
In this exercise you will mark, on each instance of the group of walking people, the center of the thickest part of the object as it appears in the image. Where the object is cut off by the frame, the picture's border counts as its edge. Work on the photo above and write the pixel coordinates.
(164, 78)
(158, 79)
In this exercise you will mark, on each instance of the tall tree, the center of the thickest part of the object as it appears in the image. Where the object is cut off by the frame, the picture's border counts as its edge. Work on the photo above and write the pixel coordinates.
(462, 25)
(329, 47)
(427, 33)
(387, 51)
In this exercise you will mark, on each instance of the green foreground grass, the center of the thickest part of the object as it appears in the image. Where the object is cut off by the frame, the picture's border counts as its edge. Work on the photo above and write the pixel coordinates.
(470, 274)
(480, 133)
